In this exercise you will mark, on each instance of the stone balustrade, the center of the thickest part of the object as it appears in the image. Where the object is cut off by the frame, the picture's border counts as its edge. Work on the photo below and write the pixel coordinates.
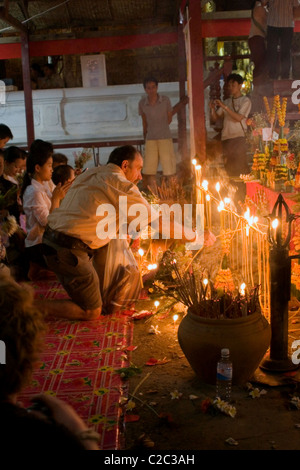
(76, 115)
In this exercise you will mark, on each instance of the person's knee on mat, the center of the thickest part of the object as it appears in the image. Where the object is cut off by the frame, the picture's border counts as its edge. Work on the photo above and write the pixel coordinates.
(94, 314)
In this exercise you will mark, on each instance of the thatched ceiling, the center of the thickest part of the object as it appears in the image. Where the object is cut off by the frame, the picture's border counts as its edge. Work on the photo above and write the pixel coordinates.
(77, 16)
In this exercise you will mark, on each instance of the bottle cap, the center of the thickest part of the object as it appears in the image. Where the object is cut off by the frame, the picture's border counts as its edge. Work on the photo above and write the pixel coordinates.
(225, 352)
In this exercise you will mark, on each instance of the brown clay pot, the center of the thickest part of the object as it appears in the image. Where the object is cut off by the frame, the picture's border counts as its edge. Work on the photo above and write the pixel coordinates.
(201, 339)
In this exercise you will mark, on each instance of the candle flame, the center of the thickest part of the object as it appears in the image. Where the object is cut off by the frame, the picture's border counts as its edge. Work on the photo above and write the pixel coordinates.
(141, 252)
(175, 318)
(242, 288)
(221, 206)
(275, 223)
(152, 266)
(205, 185)
(218, 186)
(247, 214)
(156, 303)
(250, 219)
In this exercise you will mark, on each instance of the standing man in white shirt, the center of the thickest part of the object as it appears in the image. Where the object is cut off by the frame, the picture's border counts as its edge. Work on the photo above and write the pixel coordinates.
(280, 31)
(234, 111)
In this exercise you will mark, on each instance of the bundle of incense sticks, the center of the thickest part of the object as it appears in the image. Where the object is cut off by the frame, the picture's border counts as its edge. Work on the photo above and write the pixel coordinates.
(173, 192)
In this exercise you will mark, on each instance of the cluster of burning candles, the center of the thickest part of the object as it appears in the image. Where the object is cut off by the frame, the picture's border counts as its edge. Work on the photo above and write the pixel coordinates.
(223, 203)
(204, 196)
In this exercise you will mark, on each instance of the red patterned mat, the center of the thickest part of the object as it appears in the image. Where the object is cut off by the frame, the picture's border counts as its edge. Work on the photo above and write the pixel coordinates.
(78, 365)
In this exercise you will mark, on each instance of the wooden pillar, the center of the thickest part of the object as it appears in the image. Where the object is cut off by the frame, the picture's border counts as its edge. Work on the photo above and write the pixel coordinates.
(27, 89)
(196, 50)
(2, 69)
(181, 116)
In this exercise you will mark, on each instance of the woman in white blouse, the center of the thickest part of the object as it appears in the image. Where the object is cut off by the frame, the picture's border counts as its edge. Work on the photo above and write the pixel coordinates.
(39, 201)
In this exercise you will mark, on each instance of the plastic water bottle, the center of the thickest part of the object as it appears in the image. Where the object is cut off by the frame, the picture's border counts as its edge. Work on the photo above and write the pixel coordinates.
(224, 376)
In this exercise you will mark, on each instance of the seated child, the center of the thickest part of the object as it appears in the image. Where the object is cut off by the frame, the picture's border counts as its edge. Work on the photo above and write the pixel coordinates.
(59, 159)
(63, 174)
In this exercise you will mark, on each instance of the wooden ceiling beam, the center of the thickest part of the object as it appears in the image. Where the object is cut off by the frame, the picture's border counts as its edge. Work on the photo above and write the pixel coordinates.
(23, 5)
(110, 10)
(87, 45)
(10, 46)
(9, 19)
(94, 45)
(68, 14)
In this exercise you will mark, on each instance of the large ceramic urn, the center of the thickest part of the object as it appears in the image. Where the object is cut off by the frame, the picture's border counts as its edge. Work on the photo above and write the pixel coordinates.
(201, 339)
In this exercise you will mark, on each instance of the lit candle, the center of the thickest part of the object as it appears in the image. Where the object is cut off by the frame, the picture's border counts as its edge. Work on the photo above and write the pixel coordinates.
(220, 209)
(247, 214)
(205, 282)
(204, 199)
(205, 185)
(175, 318)
(243, 294)
(275, 224)
(242, 289)
(156, 304)
(208, 206)
(218, 187)
(198, 184)
(151, 267)
(141, 252)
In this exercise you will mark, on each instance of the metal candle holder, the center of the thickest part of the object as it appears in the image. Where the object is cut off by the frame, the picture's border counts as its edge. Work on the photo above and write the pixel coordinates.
(280, 288)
